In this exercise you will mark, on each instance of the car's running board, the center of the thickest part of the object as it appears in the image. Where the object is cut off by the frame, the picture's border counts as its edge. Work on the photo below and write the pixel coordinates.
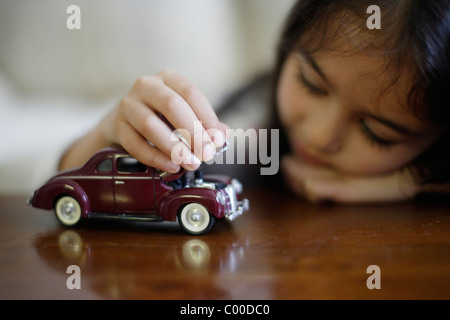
(135, 217)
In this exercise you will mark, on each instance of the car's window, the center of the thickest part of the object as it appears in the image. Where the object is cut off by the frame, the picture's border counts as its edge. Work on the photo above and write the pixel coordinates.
(128, 164)
(105, 166)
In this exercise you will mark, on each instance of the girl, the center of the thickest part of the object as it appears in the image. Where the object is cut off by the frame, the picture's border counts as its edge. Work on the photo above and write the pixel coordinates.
(363, 113)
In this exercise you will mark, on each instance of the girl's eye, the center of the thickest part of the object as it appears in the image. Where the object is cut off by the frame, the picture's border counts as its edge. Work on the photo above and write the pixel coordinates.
(372, 137)
(311, 88)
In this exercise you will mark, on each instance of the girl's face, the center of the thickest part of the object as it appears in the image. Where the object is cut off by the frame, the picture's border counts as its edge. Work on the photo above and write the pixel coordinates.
(338, 114)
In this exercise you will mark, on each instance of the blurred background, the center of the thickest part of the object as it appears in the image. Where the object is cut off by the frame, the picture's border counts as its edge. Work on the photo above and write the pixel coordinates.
(56, 83)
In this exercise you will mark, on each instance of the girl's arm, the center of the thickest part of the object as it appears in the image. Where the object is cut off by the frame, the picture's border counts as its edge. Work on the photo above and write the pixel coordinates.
(318, 184)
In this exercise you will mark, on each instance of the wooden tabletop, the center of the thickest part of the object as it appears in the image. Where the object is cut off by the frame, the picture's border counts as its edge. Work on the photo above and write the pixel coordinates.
(283, 248)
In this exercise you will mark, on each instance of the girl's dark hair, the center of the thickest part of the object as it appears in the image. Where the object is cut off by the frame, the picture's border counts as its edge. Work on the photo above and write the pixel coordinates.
(414, 37)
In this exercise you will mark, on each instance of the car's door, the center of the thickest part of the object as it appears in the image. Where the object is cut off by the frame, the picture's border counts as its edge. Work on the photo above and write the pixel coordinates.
(98, 186)
(133, 186)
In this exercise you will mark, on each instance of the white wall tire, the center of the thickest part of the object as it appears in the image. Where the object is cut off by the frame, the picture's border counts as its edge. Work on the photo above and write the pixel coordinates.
(68, 211)
(194, 218)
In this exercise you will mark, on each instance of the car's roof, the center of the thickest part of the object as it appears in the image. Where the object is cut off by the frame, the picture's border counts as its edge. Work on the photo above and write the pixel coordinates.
(95, 159)
(110, 151)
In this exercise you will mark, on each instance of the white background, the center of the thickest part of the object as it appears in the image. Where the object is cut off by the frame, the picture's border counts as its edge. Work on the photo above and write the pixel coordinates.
(55, 83)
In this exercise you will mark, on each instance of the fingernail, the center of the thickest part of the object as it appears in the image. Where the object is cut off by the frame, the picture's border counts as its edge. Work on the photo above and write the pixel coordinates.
(218, 138)
(172, 167)
(193, 163)
(209, 151)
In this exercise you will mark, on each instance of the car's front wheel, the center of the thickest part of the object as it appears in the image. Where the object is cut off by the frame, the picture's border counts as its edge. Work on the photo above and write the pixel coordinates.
(194, 218)
(68, 211)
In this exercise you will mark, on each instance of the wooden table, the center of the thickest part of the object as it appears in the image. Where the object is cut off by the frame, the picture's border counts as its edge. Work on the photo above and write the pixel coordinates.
(283, 248)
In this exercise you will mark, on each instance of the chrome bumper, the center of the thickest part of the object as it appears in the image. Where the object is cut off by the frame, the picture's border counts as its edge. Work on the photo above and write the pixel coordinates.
(241, 207)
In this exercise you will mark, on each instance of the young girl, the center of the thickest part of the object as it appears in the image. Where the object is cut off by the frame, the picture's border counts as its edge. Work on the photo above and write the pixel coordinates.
(364, 113)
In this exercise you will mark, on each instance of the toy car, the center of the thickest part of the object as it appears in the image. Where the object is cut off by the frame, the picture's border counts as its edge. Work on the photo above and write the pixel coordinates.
(114, 185)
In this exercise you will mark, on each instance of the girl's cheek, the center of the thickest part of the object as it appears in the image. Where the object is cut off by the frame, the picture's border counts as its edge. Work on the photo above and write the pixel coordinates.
(282, 102)
(361, 158)
(283, 111)
(288, 104)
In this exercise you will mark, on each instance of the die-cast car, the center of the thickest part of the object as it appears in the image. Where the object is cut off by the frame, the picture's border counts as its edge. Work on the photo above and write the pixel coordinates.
(114, 185)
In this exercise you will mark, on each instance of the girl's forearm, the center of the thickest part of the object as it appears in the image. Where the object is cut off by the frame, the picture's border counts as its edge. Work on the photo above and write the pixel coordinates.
(83, 148)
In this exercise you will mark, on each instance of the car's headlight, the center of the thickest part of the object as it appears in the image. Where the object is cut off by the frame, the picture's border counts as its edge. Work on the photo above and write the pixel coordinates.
(220, 197)
(237, 185)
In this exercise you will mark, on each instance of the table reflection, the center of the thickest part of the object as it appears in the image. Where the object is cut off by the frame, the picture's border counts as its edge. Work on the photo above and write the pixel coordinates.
(281, 249)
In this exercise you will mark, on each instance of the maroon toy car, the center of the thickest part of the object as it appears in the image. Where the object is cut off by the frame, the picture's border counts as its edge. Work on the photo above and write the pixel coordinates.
(114, 185)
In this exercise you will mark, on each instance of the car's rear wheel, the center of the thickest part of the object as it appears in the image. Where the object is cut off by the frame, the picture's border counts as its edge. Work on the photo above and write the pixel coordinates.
(68, 211)
(194, 218)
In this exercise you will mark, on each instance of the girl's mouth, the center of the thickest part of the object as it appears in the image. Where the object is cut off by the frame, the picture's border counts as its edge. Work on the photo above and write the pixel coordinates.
(307, 156)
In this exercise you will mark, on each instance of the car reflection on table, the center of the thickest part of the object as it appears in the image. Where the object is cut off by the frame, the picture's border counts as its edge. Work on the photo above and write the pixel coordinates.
(114, 270)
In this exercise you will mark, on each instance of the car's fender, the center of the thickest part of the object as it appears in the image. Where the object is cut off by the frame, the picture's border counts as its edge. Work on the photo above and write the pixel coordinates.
(46, 196)
(169, 205)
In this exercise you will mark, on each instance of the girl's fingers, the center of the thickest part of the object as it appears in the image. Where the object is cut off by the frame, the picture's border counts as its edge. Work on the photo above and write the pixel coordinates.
(296, 169)
(137, 146)
(319, 184)
(371, 189)
(164, 100)
(193, 96)
(149, 126)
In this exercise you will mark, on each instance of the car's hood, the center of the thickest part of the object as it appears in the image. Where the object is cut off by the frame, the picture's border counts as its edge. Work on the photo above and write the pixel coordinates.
(217, 178)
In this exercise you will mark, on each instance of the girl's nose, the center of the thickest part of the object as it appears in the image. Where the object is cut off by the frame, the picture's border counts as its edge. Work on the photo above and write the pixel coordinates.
(324, 132)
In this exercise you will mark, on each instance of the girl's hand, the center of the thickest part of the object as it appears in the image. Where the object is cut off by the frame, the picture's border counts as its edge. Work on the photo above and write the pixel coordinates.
(144, 121)
(319, 184)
